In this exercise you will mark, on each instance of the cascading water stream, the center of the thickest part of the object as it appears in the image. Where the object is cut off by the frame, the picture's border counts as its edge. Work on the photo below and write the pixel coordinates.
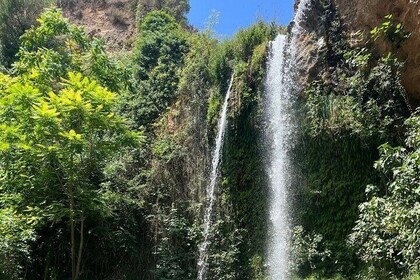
(280, 89)
(277, 107)
(217, 155)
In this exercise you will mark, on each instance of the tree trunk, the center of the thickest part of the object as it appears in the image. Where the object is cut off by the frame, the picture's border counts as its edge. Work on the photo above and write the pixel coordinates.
(79, 257)
(70, 189)
(72, 237)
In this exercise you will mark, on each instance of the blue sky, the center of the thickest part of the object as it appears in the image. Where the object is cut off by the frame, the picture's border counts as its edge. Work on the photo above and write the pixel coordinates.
(236, 14)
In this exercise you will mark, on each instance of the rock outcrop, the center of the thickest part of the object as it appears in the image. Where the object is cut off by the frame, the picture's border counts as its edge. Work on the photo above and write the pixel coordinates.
(320, 42)
(361, 15)
(366, 14)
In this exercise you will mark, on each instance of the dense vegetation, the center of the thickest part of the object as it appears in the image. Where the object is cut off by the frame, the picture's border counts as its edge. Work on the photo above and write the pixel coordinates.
(16, 17)
(341, 161)
(107, 158)
(104, 157)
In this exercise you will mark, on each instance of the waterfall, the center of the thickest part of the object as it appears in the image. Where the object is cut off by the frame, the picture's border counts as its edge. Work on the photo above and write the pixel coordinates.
(217, 154)
(278, 104)
(280, 89)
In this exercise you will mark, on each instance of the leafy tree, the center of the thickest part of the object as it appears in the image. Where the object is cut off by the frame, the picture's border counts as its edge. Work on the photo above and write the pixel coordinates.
(58, 133)
(177, 8)
(16, 16)
(386, 234)
(55, 47)
(53, 147)
(158, 57)
(160, 41)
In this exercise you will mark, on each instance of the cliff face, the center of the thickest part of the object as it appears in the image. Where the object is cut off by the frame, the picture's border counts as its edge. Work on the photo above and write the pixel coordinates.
(357, 103)
(319, 42)
(325, 20)
(366, 14)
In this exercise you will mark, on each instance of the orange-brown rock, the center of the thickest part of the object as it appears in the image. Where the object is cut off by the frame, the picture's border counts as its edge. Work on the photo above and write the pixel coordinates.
(366, 14)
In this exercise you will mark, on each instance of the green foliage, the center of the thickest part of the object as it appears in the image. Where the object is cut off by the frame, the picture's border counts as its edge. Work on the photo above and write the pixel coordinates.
(17, 233)
(308, 251)
(244, 190)
(220, 72)
(161, 40)
(75, 179)
(248, 51)
(53, 148)
(370, 101)
(333, 114)
(320, 277)
(55, 47)
(329, 174)
(177, 167)
(379, 92)
(225, 253)
(176, 251)
(391, 30)
(343, 121)
(245, 41)
(177, 8)
(158, 57)
(214, 108)
(16, 16)
(386, 233)
(414, 276)
(73, 176)
(58, 132)
(258, 268)
(259, 57)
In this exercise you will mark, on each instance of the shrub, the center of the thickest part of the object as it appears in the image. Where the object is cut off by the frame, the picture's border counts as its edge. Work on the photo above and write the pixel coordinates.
(386, 233)
(117, 18)
(177, 8)
(158, 57)
(16, 16)
(308, 252)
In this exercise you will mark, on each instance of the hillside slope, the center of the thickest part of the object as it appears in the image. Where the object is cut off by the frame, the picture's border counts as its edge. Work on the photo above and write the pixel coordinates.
(112, 20)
